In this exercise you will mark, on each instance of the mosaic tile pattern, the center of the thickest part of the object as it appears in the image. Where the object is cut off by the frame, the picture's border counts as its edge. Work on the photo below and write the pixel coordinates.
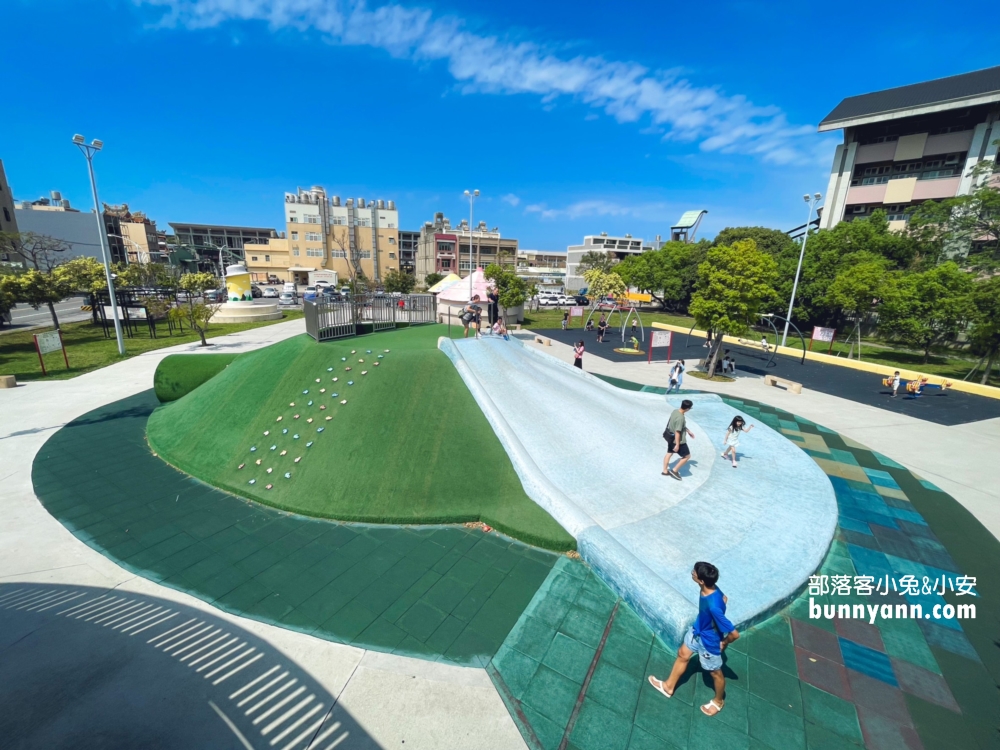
(440, 593)
(793, 681)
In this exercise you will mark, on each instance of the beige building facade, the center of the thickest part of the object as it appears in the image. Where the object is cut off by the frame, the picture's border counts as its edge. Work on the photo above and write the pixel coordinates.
(445, 249)
(350, 238)
(8, 219)
(269, 263)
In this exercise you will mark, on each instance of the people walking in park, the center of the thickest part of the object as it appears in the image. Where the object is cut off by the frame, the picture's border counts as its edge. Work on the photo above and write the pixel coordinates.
(676, 376)
(565, 321)
(765, 345)
(471, 314)
(895, 383)
(633, 326)
(493, 305)
(602, 328)
(708, 339)
(732, 441)
(711, 633)
(676, 436)
(578, 354)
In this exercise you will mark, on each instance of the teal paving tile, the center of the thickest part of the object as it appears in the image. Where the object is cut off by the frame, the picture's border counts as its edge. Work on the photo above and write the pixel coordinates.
(383, 634)
(614, 689)
(775, 686)
(548, 733)
(833, 714)
(532, 637)
(711, 734)
(552, 695)
(774, 726)
(516, 669)
(349, 621)
(569, 658)
(627, 653)
(668, 720)
(581, 625)
(243, 597)
(444, 637)
(421, 620)
(599, 728)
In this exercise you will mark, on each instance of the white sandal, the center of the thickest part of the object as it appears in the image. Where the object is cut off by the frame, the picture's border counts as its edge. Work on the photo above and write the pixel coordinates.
(659, 688)
(712, 702)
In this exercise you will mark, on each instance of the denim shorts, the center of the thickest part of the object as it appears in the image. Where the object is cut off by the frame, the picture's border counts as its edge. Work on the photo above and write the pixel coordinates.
(709, 662)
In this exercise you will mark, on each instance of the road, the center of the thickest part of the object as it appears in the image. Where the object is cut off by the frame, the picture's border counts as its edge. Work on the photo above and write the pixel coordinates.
(25, 316)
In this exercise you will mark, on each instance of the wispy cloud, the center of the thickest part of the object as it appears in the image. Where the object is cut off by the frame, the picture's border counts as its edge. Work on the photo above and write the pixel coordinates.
(595, 208)
(511, 199)
(627, 91)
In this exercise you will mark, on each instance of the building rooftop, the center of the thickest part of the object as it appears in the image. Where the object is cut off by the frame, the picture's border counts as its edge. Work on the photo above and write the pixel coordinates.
(188, 225)
(967, 89)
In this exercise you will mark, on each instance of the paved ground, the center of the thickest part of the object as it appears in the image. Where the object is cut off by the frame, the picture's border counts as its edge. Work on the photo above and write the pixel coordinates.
(947, 408)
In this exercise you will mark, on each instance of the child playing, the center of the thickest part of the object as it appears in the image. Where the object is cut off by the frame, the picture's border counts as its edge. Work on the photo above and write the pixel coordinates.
(602, 328)
(711, 633)
(895, 383)
(590, 324)
(732, 441)
(578, 355)
(633, 327)
(499, 329)
(565, 320)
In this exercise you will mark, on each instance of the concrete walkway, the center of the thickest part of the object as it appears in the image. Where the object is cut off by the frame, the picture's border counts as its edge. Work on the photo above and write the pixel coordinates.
(959, 459)
(392, 699)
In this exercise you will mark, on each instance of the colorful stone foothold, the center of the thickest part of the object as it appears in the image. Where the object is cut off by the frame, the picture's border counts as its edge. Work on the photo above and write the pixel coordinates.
(288, 475)
(317, 380)
(278, 419)
(343, 359)
(364, 372)
(319, 429)
(322, 407)
(274, 447)
(310, 403)
(329, 418)
(267, 487)
(343, 402)
(334, 395)
(350, 382)
(269, 470)
(368, 351)
(305, 391)
(386, 351)
(376, 364)
(296, 416)
(257, 462)
(347, 369)
(322, 390)
(292, 404)
(360, 360)
(241, 466)
(298, 459)
(335, 380)
(353, 351)
(309, 444)
(329, 369)
(380, 356)
(310, 420)
(252, 481)
(282, 453)
(295, 436)
(266, 433)
(284, 431)
(253, 449)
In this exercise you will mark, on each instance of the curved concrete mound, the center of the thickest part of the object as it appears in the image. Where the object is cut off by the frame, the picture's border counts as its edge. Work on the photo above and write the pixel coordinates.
(590, 454)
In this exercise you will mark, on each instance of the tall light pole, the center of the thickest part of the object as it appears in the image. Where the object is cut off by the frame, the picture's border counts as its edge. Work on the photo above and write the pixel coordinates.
(88, 150)
(811, 201)
(472, 199)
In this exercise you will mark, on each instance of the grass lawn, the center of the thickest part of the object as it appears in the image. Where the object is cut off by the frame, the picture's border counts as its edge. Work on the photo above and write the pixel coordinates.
(551, 317)
(88, 349)
(410, 446)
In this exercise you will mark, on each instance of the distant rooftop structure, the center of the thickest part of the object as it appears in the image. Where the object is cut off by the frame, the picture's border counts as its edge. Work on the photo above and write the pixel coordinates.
(965, 90)
(687, 226)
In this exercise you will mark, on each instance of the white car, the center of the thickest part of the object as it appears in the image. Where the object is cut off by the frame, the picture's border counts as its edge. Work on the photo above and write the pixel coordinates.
(286, 298)
(270, 292)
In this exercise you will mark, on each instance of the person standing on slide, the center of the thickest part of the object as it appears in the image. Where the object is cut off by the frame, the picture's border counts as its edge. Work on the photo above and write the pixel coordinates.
(470, 313)
(493, 305)
(676, 436)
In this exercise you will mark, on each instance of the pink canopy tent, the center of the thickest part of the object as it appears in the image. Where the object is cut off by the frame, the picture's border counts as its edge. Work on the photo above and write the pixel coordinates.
(459, 291)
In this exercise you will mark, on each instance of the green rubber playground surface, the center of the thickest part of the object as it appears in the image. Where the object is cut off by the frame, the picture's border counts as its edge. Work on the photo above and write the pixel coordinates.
(573, 671)
(441, 593)
(410, 446)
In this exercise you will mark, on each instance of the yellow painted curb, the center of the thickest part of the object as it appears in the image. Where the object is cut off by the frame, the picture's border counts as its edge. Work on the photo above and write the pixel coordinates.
(964, 386)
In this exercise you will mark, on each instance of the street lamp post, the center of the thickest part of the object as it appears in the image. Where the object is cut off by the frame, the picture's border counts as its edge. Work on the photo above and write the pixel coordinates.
(88, 150)
(811, 201)
(472, 199)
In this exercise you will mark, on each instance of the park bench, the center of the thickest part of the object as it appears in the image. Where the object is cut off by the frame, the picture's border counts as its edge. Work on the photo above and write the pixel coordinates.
(788, 385)
(543, 340)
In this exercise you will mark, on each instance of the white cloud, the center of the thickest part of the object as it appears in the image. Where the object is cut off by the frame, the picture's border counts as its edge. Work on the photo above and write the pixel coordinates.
(596, 207)
(511, 199)
(627, 91)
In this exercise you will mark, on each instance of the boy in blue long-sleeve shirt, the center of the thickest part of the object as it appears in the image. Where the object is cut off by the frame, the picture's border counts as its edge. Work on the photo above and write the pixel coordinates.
(708, 637)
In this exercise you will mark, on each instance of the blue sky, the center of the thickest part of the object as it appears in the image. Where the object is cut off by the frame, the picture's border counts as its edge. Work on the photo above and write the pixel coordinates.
(571, 118)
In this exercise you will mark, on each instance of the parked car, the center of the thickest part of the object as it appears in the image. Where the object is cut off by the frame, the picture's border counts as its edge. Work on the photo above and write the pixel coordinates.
(323, 283)
(579, 299)
(310, 293)
(255, 292)
(215, 295)
(269, 292)
(286, 298)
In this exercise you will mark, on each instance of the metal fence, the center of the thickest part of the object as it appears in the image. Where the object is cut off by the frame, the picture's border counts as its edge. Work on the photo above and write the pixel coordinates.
(366, 313)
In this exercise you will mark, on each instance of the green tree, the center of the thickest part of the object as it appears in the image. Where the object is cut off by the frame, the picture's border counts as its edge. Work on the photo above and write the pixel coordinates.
(196, 314)
(985, 333)
(604, 284)
(927, 308)
(735, 284)
(596, 260)
(83, 274)
(36, 289)
(145, 276)
(8, 291)
(511, 290)
(669, 274)
(858, 288)
(398, 282)
(774, 242)
(38, 251)
(433, 278)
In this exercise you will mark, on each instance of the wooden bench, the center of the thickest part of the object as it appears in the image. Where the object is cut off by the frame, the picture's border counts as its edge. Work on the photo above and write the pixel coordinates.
(789, 385)
(543, 340)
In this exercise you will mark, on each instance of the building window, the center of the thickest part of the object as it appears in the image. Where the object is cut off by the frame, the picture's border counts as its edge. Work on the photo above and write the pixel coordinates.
(392, 240)
(339, 220)
(6, 213)
(446, 247)
(252, 257)
(267, 258)
(446, 263)
(295, 235)
(463, 265)
(292, 220)
(391, 225)
(314, 252)
(313, 237)
(295, 251)
(338, 253)
(312, 220)
(365, 254)
(392, 256)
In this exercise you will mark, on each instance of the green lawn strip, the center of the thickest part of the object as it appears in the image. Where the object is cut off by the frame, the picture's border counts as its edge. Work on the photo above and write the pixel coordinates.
(179, 374)
(552, 318)
(88, 349)
(410, 446)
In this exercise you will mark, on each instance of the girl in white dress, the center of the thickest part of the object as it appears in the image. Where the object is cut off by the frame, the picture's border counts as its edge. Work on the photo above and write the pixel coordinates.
(732, 442)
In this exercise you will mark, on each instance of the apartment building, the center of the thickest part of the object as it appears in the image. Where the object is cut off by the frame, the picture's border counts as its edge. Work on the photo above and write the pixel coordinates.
(8, 219)
(409, 244)
(618, 247)
(445, 249)
(351, 238)
(906, 145)
(546, 269)
(134, 234)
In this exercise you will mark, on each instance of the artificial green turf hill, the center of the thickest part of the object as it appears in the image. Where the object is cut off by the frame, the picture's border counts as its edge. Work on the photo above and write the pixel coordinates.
(179, 374)
(410, 445)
